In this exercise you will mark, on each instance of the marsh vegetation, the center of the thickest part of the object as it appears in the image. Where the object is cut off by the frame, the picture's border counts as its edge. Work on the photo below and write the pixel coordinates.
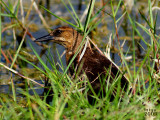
(126, 31)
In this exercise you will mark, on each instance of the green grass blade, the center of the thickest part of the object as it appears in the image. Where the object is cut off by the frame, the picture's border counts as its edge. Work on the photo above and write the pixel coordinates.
(19, 48)
(134, 56)
(10, 6)
(150, 13)
(155, 24)
(91, 6)
(117, 7)
(21, 57)
(147, 21)
(139, 34)
(151, 18)
(69, 11)
(94, 25)
(78, 20)
(60, 18)
(6, 15)
(98, 12)
(17, 8)
(120, 17)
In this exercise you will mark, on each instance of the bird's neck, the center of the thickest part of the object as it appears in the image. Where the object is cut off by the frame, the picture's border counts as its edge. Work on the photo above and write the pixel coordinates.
(78, 51)
(76, 42)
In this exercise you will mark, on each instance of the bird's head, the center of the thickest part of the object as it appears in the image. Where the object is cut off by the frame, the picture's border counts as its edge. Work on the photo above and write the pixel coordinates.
(65, 36)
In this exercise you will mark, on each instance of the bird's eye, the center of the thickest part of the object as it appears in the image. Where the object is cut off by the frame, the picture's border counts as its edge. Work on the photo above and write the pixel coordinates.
(57, 32)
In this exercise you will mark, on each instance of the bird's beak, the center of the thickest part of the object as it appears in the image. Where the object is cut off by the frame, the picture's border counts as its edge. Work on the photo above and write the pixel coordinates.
(44, 38)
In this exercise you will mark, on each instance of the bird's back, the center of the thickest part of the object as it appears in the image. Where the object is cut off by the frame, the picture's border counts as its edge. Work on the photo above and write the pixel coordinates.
(97, 67)
(97, 64)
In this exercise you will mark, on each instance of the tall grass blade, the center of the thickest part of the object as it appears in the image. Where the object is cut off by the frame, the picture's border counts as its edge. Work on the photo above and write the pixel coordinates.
(78, 20)
(98, 12)
(19, 48)
(60, 18)
(117, 7)
(6, 15)
(70, 11)
(88, 17)
(147, 21)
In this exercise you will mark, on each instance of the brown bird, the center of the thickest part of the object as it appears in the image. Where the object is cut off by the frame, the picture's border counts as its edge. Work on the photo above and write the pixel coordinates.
(95, 65)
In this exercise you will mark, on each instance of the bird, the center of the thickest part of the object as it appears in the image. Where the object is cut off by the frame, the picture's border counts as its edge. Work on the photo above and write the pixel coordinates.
(88, 61)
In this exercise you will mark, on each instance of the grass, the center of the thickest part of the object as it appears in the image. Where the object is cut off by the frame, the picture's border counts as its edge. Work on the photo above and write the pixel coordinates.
(68, 100)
